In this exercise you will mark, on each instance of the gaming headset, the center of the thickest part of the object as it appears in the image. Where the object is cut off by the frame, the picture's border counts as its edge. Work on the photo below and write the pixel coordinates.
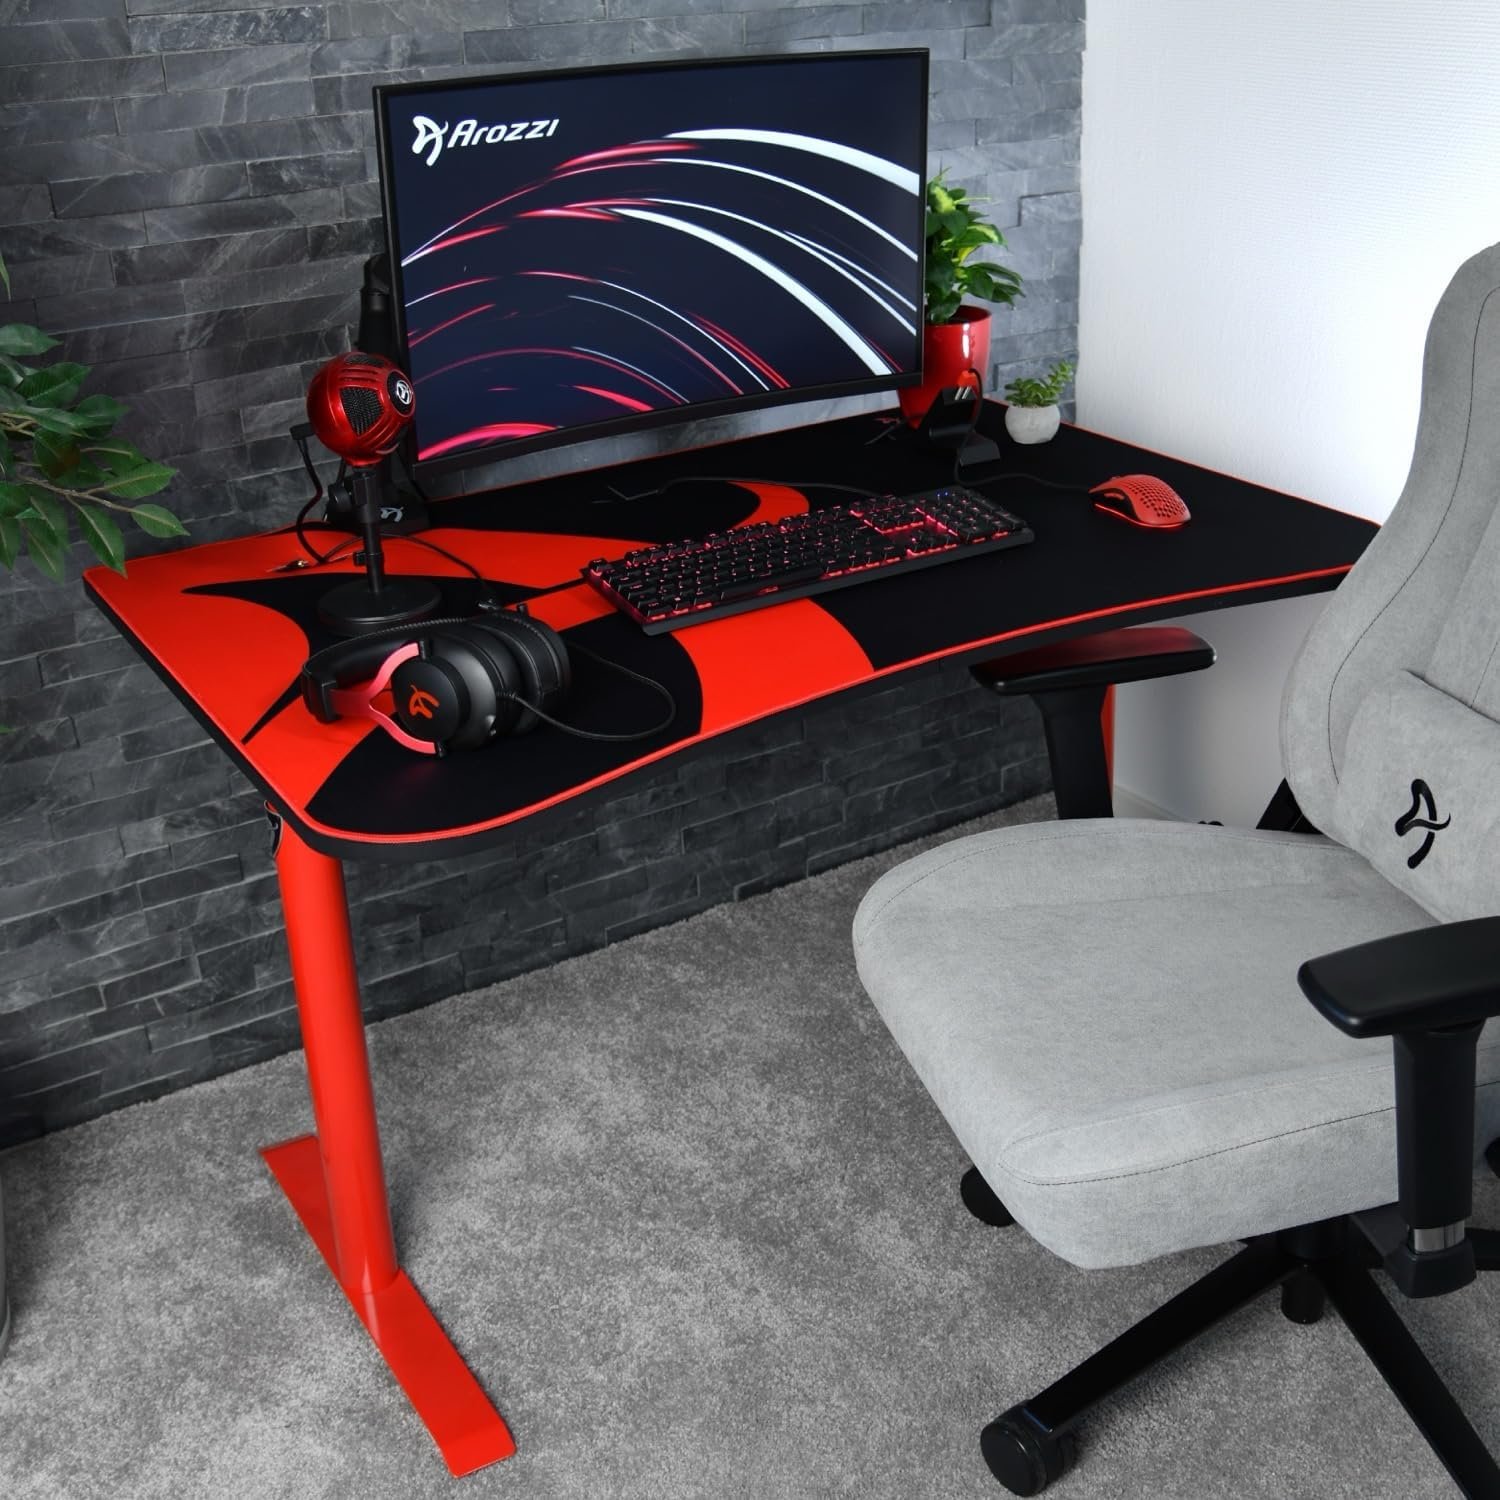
(459, 682)
(454, 683)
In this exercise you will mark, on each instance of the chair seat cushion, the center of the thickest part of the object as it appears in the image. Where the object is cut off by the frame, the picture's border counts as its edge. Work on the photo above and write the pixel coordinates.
(1107, 1014)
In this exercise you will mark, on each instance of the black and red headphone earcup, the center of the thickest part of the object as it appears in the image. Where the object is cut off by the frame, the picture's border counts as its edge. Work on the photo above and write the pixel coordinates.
(540, 655)
(459, 691)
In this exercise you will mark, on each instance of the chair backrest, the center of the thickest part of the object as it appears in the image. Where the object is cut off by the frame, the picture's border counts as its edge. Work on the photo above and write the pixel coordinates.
(1390, 723)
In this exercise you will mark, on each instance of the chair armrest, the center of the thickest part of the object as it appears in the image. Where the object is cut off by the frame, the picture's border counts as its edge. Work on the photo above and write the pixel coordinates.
(1131, 654)
(1431, 991)
(1426, 980)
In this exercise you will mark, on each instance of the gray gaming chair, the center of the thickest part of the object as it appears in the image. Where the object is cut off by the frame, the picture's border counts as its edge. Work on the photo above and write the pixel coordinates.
(1111, 1014)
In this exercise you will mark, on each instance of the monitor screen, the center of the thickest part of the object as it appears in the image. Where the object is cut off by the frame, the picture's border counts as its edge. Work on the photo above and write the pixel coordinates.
(576, 253)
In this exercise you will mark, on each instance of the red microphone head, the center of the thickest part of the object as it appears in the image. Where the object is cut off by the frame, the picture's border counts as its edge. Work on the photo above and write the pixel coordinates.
(359, 405)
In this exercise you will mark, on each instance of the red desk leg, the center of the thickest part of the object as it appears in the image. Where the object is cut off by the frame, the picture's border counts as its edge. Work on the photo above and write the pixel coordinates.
(335, 1179)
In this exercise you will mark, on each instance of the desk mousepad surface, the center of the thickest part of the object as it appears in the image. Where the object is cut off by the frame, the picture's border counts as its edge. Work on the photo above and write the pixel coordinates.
(229, 624)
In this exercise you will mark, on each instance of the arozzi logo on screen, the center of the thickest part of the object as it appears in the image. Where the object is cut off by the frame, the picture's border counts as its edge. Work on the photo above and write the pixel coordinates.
(432, 137)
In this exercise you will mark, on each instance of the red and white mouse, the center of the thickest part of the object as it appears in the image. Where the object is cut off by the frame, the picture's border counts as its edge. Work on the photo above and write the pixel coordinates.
(1141, 499)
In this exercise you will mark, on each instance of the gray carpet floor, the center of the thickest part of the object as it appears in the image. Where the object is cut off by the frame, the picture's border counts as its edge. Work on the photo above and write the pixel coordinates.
(695, 1226)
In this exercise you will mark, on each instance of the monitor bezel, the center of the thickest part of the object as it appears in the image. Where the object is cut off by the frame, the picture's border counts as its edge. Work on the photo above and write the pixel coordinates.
(669, 416)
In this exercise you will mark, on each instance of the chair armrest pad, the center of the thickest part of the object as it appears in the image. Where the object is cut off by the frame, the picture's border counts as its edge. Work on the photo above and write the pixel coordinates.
(1434, 977)
(1131, 654)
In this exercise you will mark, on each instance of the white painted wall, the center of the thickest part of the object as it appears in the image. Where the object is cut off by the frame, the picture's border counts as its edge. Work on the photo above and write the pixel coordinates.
(1275, 193)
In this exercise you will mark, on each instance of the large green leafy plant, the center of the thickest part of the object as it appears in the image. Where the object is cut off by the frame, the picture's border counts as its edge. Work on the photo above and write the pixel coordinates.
(955, 231)
(59, 460)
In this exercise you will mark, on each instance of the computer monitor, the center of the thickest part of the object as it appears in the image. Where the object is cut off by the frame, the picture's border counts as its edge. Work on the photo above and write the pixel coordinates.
(584, 252)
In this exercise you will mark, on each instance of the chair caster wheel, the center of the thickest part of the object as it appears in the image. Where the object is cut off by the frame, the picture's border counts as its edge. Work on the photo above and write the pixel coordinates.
(1302, 1298)
(981, 1201)
(1024, 1458)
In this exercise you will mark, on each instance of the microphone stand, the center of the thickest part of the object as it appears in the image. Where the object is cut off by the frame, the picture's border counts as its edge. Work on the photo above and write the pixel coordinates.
(373, 601)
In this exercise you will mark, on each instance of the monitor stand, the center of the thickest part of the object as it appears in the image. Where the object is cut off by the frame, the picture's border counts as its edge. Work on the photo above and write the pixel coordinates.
(368, 603)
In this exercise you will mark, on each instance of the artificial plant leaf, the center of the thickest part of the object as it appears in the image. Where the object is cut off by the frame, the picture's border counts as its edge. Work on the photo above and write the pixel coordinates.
(56, 456)
(22, 338)
(156, 521)
(86, 476)
(101, 533)
(49, 509)
(12, 371)
(10, 540)
(100, 412)
(55, 386)
(116, 455)
(14, 497)
(45, 549)
(64, 423)
(144, 479)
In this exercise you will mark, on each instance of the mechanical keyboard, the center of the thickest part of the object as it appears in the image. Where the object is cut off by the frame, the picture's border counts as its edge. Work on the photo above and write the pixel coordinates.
(672, 584)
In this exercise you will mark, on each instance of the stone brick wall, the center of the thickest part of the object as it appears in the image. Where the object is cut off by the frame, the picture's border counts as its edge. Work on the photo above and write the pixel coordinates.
(187, 192)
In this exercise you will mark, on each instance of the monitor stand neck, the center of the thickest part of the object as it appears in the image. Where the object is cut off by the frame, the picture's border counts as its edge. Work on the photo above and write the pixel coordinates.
(374, 601)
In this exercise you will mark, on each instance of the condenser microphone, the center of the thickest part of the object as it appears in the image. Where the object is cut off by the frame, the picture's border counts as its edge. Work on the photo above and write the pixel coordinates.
(359, 406)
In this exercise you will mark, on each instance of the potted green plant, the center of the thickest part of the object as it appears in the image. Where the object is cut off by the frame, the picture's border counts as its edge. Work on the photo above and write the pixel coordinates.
(956, 334)
(1032, 415)
(60, 460)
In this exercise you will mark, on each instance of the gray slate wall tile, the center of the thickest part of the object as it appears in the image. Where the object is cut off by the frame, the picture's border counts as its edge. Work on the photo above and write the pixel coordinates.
(769, 26)
(126, 190)
(556, 44)
(686, 36)
(28, 204)
(225, 106)
(534, 12)
(298, 174)
(235, 65)
(22, 12)
(206, 258)
(66, 41)
(370, 54)
(927, 15)
(60, 120)
(203, 220)
(351, 18)
(1015, 41)
(82, 80)
(234, 28)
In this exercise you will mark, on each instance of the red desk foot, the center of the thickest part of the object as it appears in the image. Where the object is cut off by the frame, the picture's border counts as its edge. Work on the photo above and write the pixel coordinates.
(464, 1424)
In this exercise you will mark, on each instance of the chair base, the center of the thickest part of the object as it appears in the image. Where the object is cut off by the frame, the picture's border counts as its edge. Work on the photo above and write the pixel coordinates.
(1033, 1443)
(979, 1198)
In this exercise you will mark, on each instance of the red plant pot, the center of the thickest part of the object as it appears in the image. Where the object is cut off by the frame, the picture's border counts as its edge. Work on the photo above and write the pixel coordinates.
(949, 351)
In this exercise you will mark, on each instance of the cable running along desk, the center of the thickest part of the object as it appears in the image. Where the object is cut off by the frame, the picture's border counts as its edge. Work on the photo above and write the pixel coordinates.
(228, 631)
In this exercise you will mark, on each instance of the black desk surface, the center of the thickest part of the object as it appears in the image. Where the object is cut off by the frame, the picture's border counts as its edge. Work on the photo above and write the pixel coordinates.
(229, 632)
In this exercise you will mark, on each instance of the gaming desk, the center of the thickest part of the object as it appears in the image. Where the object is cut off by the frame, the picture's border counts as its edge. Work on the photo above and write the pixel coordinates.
(228, 624)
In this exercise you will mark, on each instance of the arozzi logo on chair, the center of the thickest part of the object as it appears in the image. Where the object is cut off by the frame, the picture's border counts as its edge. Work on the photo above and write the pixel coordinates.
(1421, 802)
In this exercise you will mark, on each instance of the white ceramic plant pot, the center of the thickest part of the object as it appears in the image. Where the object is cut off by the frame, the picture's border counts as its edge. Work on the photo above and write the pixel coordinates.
(1032, 424)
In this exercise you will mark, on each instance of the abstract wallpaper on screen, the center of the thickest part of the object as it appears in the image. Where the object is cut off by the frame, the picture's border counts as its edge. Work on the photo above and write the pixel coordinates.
(578, 249)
